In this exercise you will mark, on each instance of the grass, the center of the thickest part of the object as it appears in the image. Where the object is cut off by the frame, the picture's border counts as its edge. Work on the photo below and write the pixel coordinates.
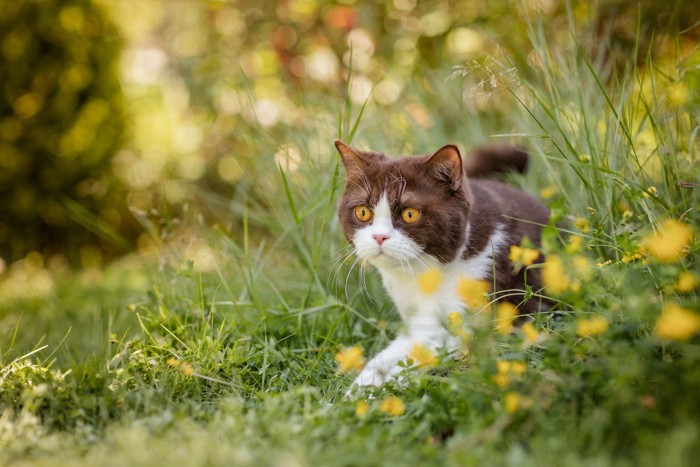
(224, 351)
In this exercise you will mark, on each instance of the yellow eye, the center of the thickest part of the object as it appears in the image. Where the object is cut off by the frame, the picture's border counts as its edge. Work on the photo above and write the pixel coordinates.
(410, 215)
(363, 213)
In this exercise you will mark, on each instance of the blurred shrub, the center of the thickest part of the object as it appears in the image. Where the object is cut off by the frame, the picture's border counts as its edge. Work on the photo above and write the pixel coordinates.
(61, 120)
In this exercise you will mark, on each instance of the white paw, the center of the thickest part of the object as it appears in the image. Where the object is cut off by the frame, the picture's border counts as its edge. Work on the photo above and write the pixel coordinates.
(373, 376)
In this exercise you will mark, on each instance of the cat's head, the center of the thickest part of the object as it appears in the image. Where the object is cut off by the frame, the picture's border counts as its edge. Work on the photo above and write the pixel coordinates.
(397, 211)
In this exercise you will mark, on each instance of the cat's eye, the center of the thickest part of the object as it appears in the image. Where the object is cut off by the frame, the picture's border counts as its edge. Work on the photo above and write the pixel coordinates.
(363, 213)
(410, 215)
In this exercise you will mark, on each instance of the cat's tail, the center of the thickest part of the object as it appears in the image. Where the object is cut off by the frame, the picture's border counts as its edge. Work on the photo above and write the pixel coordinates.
(495, 158)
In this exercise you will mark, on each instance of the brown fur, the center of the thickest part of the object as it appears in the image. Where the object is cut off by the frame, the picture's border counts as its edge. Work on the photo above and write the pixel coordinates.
(448, 200)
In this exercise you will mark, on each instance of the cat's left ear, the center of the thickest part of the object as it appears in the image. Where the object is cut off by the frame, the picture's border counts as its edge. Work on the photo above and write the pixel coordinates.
(446, 165)
(352, 159)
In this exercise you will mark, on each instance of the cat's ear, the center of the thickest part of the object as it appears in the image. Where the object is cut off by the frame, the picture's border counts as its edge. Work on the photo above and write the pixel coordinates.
(352, 160)
(446, 165)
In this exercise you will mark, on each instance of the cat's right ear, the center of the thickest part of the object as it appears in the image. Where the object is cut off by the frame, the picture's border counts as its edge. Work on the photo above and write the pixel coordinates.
(446, 165)
(352, 160)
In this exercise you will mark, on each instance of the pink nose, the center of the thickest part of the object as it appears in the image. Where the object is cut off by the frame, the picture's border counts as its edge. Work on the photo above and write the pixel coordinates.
(380, 238)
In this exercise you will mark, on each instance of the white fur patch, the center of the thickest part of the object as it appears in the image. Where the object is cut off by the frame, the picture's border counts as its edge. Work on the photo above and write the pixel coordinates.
(398, 249)
(423, 314)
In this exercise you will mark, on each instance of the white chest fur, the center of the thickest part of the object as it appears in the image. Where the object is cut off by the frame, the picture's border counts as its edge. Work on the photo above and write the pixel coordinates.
(418, 308)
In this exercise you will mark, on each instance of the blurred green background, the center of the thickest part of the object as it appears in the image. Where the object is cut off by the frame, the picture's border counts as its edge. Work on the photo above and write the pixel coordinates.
(121, 122)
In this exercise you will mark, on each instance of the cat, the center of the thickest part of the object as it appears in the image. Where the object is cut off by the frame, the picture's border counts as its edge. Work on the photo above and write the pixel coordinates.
(409, 215)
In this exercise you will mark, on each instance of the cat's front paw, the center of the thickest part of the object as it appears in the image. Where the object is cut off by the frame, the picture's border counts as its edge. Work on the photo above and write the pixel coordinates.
(373, 376)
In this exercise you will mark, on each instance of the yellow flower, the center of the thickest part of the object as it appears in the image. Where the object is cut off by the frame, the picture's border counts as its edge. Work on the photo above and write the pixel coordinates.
(582, 224)
(455, 319)
(429, 281)
(349, 359)
(507, 370)
(555, 279)
(392, 406)
(530, 333)
(361, 409)
(592, 326)
(506, 312)
(677, 323)
(501, 380)
(686, 282)
(518, 368)
(186, 369)
(472, 292)
(630, 257)
(422, 356)
(503, 366)
(668, 243)
(575, 244)
(524, 256)
(649, 192)
(548, 192)
(582, 266)
(511, 402)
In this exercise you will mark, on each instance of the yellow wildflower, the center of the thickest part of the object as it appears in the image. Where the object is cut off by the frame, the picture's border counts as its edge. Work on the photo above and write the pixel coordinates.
(524, 256)
(429, 281)
(530, 256)
(575, 244)
(582, 224)
(547, 192)
(422, 356)
(518, 368)
(186, 369)
(555, 279)
(506, 312)
(173, 362)
(604, 263)
(530, 333)
(361, 409)
(668, 243)
(592, 326)
(501, 379)
(472, 292)
(649, 192)
(503, 366)
(392, 406)
(582, 266)
(511, 402)
(455, 319)
(507, 370)
(686, 282)
(349, 359)
(630, 257)
(677, 323)
(627, 215)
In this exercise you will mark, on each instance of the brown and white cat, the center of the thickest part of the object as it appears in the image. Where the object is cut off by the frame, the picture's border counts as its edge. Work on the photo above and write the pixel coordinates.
(407, 215)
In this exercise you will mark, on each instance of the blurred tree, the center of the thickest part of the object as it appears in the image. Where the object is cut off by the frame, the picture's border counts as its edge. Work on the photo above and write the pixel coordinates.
(61, 120)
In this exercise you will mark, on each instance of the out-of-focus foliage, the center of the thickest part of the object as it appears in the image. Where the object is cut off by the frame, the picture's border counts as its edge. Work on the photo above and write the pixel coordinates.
(61, 120)
(216, 92)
